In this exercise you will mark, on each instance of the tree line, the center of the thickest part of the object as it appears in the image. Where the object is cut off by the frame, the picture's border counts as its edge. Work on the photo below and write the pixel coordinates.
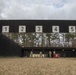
(43, 39)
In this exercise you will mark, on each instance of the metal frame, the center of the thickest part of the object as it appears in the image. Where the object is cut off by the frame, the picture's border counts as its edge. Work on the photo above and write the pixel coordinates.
(30, 25)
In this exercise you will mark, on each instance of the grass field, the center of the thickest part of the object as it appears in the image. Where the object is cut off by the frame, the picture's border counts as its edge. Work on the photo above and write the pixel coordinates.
(37, 66)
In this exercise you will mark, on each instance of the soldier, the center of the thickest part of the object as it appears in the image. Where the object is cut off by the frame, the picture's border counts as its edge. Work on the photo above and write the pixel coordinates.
(54, 53)
(31, 54)
(50, 54)
(41, 54)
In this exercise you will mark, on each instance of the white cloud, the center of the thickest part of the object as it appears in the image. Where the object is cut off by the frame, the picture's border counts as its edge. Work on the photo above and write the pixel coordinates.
(38, 9)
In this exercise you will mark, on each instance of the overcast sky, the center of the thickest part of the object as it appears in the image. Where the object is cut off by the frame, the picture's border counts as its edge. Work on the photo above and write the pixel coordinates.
(38, 9)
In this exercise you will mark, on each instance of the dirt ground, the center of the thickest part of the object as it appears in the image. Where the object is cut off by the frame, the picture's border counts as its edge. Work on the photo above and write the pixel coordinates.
(37, 66)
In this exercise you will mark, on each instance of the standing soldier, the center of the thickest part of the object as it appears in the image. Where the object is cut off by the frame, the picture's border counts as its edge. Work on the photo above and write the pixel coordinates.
(50, 54)
(31, 54)
(54, 53)
(41, 54)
